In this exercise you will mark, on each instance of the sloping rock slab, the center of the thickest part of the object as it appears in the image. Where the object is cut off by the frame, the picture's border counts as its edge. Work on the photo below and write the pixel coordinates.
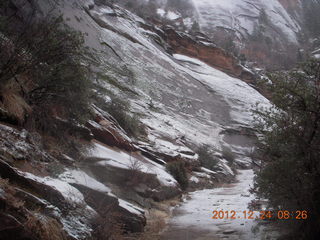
(107, 205)
(49, 193)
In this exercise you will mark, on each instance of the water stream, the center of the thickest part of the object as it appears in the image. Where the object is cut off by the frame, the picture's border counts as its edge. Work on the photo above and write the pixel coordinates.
(192, 220)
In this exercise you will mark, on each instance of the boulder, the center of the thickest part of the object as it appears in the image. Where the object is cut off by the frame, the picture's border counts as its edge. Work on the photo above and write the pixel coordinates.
(106, 130)
(49, 193)
(107, 206)
(145, 184)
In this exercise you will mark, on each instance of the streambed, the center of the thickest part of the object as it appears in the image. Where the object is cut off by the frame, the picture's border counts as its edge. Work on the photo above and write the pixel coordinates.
(193, 218)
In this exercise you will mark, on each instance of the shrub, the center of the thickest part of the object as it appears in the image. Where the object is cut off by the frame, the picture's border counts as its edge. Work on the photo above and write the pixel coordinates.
(108, 225)
(43, 227)
(228, 155)
(46, 58)
(206, 157)
(178, 171)
(290, 174)
(135, 175)
(119, 109)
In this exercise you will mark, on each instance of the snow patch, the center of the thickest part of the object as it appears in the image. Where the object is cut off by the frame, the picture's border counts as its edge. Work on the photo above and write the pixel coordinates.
(194, 179)
(172, 15)
(131, 208)
(69, 192)
(81, 178)
(122, 159)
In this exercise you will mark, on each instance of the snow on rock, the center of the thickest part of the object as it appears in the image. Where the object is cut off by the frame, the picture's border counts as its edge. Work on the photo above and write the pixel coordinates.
(130, 207)
(243, 161)
(224, 168)
(237, 93)
(88, 3)
(81, 178)
(180, 100)
(76, 221)
(161, 12)
(121, 159)
(202, 175)
(208, 171)
(173, 15)
(70, 193)
(194, 179)
(317, 56)
(242, 16)
(190, 103)
(171, 149)
(76, 226)
(23, 147)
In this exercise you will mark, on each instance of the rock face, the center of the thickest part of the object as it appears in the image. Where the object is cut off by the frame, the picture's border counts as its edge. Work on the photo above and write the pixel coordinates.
(64, 200)
(106, 130)
(293, 6)
(235, 25)
(243, 16)
(204, 50)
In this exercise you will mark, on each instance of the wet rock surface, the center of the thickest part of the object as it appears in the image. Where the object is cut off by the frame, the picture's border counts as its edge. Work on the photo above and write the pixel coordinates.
(194, 218)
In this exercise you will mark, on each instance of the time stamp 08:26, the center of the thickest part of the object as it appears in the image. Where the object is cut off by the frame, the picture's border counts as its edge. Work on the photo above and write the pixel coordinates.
(263, 215)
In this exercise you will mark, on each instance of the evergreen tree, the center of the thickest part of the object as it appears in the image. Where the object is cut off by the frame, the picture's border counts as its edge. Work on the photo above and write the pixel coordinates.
(195, 27)
(48, 61)
(263, 17)
(290, 147)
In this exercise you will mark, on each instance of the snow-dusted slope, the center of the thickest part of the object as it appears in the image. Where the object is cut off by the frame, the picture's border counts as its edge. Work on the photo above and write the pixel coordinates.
(242, 16)
(181, 100)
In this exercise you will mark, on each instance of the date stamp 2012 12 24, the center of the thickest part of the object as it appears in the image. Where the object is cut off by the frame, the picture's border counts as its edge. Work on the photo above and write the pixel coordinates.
(280, 214)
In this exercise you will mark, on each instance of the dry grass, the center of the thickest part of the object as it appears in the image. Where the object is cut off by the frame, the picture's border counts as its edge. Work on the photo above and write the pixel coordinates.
(44, 228)
(156, 223)
(13, 103)
(9, 190)
(157, 219)
(37, 225)
(4, 183)
(108, 227)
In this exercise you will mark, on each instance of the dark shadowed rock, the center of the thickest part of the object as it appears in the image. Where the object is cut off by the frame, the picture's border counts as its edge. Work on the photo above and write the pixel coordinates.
(49, 193)
(11, 228)
(107, 206)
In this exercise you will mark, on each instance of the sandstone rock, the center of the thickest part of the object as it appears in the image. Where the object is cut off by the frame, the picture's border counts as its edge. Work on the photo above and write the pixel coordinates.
(106, 130)
(108, 206)
(145, 184)
(49, 193)
(207, 52)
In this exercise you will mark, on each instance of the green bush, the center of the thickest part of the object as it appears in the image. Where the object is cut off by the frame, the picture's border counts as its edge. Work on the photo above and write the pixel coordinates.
(119, 109)
(47, 59)
(206, 158)
(290, 173)
(178, 171)
(228, 155)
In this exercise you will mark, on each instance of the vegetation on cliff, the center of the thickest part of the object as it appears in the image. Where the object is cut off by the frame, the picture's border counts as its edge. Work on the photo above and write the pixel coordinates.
(44, 76)
(290, 174)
